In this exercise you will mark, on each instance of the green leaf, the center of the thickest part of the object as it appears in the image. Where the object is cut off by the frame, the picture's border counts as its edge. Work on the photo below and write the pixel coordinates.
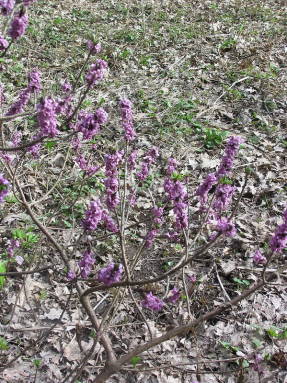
(272, 332)
(256, 342)
(245, 363)
(283, 334)
(135, 360)
(3, 344)
(50, 144)
(2, 270)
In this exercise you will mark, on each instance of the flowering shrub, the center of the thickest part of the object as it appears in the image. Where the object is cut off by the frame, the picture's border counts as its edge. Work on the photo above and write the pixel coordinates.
(193, 220)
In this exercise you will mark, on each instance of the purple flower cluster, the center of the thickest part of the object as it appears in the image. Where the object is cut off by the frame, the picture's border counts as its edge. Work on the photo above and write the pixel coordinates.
(7, 6)
(93, 47)
(112, 162)
(13, 244)
(34, 79)
(110, 274)
(84, 165)
(47, 117)
(152, 302)
(158, 215)
(150, 237)
(95, 215)
(34, 85)
(171, 166)
(175, 295)
(132, 160)
(3, 43)
(225, 191)
(96, 72)
(279, 240)
(204, 188)
(258, 258)
(223, 197)
(4, 187)
(229, 155)
(19, 105)
(86, 264)
(225, 227)
(127, 119)
(66, 87)
(177, 194)
(148, 160)
(90, 123)
(18, 25)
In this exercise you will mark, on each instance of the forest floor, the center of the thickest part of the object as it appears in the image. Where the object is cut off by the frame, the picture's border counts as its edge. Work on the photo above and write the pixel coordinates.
(196, 72)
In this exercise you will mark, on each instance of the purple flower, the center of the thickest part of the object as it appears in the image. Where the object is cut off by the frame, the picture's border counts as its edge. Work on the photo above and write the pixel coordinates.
(192, 278)
(111, 182)
(63, 105)
(110, 274)
(4, 187)
(16, 138)
(34, 81)
(175, 295)
(86, 263)
(171, 166)
(93, 215)
(28, 2)
(101, 116)
(47, 117)
(84, 165)
(109, 222)
(258, 258)
(279, 240)
(127, 119)
(152, 302)
(204, 188)
(223, 196)
(96, 72)
(172, 236)
(229, 155)
(66, 87)
(13, 244)
(180, 210)
(18, 25)
(3, 43)
(257, 364)
(225, 227)
(71, 275)
(132, 160)
(18, 106)
(175, 189)
(157, 213)
(93, 47)
(7, 6)
(149, 238)
(148, 160)
(90, 123)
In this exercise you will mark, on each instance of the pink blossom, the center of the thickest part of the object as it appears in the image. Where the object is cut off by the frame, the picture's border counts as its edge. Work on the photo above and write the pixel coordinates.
(18, 25)
(258, 258)
(110, 274)
(152, 302)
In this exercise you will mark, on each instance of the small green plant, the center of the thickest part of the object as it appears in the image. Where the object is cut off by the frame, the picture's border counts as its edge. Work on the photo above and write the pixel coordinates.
(241, 282)
(2, 270)
(3, 344)
(213, 137)
(26, 236)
